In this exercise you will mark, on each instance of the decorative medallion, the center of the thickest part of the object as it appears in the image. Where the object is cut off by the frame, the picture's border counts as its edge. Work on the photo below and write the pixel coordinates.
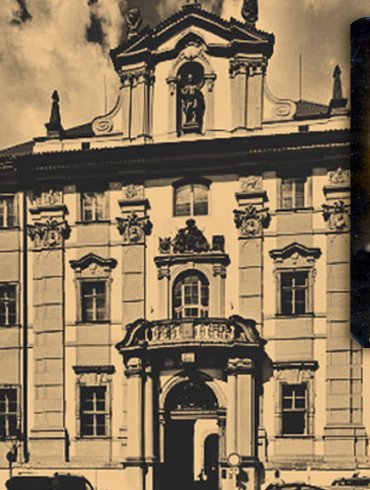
(340, 177)
(251, 221)
(134, 192)
(337, 215)
(134, 228)
(49, 234)
(252, 183)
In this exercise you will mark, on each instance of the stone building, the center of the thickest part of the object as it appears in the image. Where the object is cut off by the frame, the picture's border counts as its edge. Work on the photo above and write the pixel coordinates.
(174, 287)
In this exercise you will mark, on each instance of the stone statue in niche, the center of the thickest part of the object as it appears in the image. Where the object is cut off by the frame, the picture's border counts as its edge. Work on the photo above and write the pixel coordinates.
(191, 99)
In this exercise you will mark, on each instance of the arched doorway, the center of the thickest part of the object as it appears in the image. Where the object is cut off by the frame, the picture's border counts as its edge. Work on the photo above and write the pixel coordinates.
(191, 453)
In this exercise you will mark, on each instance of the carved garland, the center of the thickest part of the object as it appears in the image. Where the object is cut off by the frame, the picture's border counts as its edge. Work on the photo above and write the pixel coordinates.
(251, 221)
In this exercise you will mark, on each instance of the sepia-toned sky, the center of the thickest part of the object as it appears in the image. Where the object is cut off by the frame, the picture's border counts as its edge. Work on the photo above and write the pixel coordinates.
(64, 44)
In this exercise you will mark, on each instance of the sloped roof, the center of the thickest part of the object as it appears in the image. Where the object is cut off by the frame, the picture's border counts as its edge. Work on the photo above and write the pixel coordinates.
(18, 150)
(307, 110)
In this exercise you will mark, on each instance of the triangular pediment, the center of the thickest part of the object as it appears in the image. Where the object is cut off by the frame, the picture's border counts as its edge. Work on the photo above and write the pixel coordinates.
(230, 35)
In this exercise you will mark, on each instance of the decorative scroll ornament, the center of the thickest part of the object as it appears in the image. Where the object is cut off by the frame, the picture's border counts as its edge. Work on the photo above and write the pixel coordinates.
(252, 183)
(188, 240)
(51, 197)
(340, 177)
(337, 215)
(49, 234)
(134, 192)
(251, 221)
(134, 228)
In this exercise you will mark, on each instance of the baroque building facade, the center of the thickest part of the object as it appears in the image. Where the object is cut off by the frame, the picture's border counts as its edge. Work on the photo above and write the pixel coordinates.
(174, 278)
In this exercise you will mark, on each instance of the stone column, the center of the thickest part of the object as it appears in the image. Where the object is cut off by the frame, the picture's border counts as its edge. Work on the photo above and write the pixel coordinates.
(231, 414)
(251, 218)
(209, 120)
(239, 76)
(149, 416)
(48, 233)
(344, 433)
(255, 95)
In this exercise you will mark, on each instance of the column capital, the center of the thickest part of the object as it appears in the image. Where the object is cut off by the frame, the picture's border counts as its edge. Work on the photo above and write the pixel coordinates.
(251, 221)
(337, 215)
(134, 367)
(238, 366)
(134, 228)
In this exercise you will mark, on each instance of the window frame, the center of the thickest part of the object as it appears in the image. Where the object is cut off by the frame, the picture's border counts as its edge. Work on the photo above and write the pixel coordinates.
(203, 282)
(15, 413)
(309, 303)
(105, 207)
(107, 292)
(205, 183)
(6, 225)
(95, 412)
(294, 288)
(13, 285)
(295, 409)
(306, 203)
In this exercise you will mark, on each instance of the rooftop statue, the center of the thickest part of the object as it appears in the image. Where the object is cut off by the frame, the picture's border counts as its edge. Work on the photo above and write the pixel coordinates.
(250, 11)
(134, 21)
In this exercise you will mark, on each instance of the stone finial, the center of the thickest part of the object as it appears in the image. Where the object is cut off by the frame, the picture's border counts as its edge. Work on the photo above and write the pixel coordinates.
(54, 127)
(134, 21)
(338, 102)
(250, 12)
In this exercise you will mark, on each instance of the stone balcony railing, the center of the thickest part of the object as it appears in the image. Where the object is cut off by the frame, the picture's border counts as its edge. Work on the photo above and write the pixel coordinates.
(190, 330)
(200, 331)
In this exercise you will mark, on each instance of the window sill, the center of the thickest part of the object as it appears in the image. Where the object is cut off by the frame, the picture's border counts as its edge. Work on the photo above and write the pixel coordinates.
(93, 438)
(93, 322)
(295, 436)
(302, 315)
(307, 209)
(6, 228)
(93, 222)
(14, 325)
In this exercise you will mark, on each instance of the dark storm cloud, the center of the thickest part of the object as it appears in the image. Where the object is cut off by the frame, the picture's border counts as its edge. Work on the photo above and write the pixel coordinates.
(95, 31)
(21, 14)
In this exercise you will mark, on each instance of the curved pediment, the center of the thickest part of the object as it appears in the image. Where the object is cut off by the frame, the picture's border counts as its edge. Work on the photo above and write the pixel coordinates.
(188, 331)
(92, 259)
(231, 35)
(295, 249)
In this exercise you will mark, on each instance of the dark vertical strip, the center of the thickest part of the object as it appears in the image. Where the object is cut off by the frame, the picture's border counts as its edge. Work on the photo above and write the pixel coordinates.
(25, 331)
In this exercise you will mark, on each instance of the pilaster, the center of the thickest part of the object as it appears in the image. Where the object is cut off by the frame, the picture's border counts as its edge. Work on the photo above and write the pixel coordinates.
(344, 433)
(48, 234)
(251, 219)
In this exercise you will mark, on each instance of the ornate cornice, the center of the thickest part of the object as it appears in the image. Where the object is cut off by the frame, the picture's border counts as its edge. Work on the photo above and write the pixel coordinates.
(99, 369)
(251, 221)
(49, 233)
(337, 215)
(134, 228)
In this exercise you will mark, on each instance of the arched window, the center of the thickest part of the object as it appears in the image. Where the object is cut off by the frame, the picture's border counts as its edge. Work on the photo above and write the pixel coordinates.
(191, 200)
(191, 296)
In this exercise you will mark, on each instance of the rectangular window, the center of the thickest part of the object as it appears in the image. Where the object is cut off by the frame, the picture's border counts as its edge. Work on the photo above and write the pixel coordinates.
(93, 206)
(294, 293)
(93, 301)
(93, 411)
(8, 412)
(191, 200)
(294, 409)
(292, 193)
(8, 310)
(7, 212)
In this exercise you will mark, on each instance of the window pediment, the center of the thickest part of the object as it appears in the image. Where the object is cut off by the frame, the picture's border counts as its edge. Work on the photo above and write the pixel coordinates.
(92, 263)
(295, 255)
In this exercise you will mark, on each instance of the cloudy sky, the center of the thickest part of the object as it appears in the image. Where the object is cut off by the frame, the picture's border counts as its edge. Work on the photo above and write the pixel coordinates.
(64, 44)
